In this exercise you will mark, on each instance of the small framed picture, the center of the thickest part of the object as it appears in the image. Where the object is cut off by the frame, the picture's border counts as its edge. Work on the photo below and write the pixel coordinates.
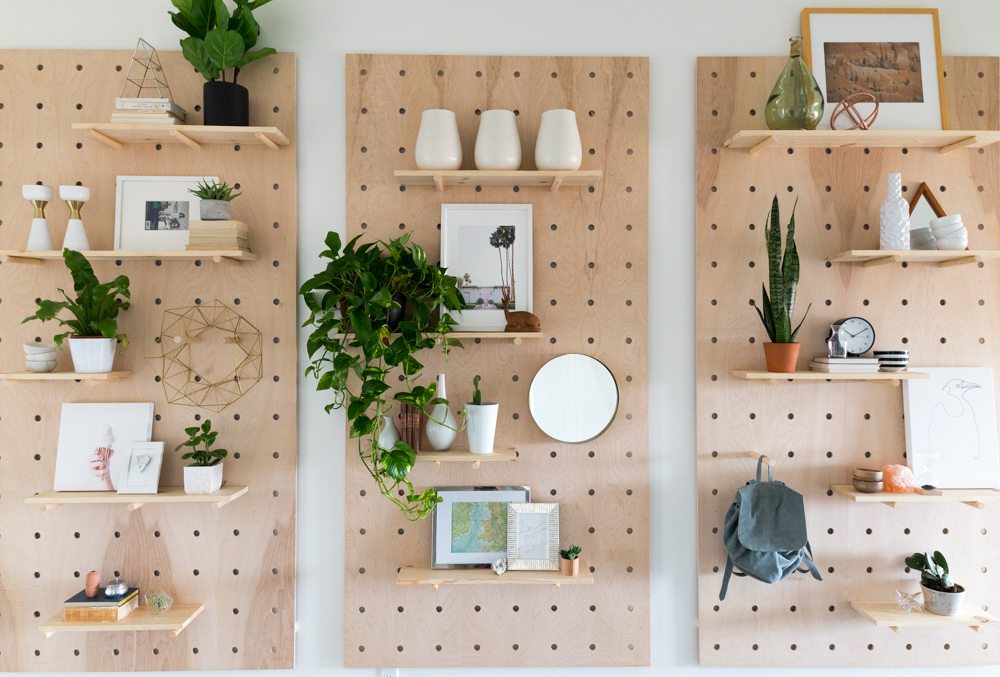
(533, 537)
(154, 212)
(488, 248)
(469, 526)
(141, 470)
(894, 54)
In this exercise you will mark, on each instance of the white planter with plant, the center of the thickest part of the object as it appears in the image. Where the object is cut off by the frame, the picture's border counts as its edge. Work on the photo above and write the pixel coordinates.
(481, 418)
(204, 474)
(215, 200)
(942, 596)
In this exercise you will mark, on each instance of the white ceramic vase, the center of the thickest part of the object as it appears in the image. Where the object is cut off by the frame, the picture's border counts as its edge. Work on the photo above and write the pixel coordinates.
(438, 143)
(482, 428)
(498, 145)
(92, 354)
(390, 433)
(894, 217)
(202, 479)
(558, 145)
(441, 436)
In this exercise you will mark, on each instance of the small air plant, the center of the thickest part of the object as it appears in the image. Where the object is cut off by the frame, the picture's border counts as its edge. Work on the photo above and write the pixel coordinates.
(159, 602)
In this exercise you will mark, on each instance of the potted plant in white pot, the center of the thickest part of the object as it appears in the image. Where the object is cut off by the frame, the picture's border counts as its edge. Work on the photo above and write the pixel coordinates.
(942, 596)
(481, 418)
(204, 474)
(215, 200)
(93, 333)
(569, 561)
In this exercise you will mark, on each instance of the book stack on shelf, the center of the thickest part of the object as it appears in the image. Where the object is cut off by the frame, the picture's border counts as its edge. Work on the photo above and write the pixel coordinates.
(845, 365)
(215, 235)
(100, 609)
(147, 111)
(409, 428)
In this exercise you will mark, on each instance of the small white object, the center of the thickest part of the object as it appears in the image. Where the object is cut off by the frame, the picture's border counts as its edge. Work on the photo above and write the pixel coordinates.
(482, 426)
(943, 221)
(41, 367)
(41, 357)
(942, 603)
(92, 354)
(76, 236)
(906, 601)
(202, 479)
(387, 672)
(390, 434)
(140, 474)
(39, 238)
(35, 192)
(39, 348)
(499, 567)
(498, 145)
(558, 144)
(441, 436)
(75, 193)
(438, 143)
(894, 217)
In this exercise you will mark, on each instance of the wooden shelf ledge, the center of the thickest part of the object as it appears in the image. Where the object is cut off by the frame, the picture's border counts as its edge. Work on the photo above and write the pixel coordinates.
(143, 619)
(442, 179)
(438, 577)
(976, 498)
(515, 337)
(754, 141)
(944, 259)
(216, 255)
(53, 499)
(889, 378)
(117, 134)
(499, 455)
(24, 376)
(890, 615)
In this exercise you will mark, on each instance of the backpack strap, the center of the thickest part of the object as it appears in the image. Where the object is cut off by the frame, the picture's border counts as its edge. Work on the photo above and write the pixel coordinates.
(770, 470)
(726, 576)
(810, 566)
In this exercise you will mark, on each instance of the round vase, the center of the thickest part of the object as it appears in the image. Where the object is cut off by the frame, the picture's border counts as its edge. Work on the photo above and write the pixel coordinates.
(438, 143)
(92, 584)
(796, 101)
(558, 144)
(390, 433)
(441, 435)
(498, 145)
(781, 357)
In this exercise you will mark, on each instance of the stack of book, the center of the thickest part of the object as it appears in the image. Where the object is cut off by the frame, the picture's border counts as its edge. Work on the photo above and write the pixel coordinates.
(845, 365)
(205, 235)
(100, 609)
(147, 111)
(409, 428)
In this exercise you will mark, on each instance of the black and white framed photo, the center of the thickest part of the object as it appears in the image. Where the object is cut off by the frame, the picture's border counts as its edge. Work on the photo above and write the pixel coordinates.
(488, 248)
(533, 537)
(141, 470)
(154, 212)
(469, 525)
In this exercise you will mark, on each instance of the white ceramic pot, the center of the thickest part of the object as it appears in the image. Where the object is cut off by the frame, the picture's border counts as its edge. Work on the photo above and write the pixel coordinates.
(438, 143)
(202, 479)
(943, 603)
(390, 433)
(441, 436)
(92, 354)
(498, 145)
(482, 426)
(214, 210)
(558, 145)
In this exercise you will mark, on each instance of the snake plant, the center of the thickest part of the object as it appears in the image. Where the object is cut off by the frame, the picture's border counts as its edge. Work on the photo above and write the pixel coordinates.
(783, 279)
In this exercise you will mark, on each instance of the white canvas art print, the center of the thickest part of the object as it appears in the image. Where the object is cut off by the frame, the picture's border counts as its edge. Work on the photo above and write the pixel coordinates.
(951, 428)
(94, 443)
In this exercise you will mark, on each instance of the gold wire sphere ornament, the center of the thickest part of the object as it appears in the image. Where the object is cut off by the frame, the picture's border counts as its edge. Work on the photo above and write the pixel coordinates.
(183, 383)
(848, 107)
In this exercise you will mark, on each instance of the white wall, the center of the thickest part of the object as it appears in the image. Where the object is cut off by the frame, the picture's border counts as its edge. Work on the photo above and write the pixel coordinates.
(672, 33)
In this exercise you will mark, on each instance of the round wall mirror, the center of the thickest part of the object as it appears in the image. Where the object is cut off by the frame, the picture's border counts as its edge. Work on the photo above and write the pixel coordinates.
(573, 398)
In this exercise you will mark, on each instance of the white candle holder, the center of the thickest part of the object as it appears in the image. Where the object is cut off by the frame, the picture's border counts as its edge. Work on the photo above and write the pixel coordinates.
(39, 238)
(76, 235)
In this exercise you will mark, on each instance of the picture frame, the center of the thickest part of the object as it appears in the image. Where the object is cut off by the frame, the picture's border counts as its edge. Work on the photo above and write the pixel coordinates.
(487, 259)
(152, 213)
(140, 474)
(92, 439)
(878, 50)
(533, 537)
(469, 525)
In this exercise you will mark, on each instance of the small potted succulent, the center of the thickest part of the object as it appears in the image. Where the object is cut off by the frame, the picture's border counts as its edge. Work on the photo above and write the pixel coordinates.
(482, 421)
(204, 474)
(942, 596)
(215, 199)
(569, 561)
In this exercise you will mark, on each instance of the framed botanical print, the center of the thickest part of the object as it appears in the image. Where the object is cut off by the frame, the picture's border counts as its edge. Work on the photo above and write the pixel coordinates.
(469, 525)
(488, 248)
(894, 54)
(153, 212)
(140, 473)
(533, 537)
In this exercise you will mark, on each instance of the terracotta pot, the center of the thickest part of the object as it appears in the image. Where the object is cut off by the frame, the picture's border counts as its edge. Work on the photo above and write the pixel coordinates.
(781, 357)
(569, 567)
(92, 584)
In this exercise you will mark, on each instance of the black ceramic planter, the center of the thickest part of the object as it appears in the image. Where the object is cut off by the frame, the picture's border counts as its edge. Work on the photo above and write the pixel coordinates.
(226, 104)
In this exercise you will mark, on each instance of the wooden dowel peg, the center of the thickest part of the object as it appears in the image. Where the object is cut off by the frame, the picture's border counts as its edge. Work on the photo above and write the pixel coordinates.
(964, 143)
(753, 150)
(266, 140)
(882, 260)
(105, 139)
(185, 139)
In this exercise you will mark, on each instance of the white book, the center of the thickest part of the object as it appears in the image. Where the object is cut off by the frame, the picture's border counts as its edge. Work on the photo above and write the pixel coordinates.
(823, 359)
(149, 104)
(139, 120)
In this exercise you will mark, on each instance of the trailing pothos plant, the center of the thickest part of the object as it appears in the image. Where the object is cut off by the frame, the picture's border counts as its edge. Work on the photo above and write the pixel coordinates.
(352, 350)
(783, 279)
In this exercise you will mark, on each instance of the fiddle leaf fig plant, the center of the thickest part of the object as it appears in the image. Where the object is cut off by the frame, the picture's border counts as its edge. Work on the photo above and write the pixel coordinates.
(352, 351)
(783, 278)
(217, 39)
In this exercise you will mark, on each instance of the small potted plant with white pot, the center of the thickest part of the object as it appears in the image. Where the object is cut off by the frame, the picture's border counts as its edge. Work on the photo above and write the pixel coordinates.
(204, 473)
(216, 199)
(942, 596)
(481, 418)
(93, 328)
(569, 561)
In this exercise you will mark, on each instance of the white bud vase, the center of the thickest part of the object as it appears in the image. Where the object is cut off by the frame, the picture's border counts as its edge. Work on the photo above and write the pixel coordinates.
(558, 145)
(498, 145)
(894, 217)
(438, 143)
(390, 433)
(441, 436)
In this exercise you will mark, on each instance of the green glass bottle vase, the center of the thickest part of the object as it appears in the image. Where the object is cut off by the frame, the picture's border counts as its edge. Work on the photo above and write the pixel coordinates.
(796, 101)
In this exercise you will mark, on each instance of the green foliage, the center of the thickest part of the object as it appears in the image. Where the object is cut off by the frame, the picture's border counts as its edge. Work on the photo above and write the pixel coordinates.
(477, 394)
(572, 553)
(783, 278)
(95, 308)
(934, 572)
(203, 437)
(352, 351)
(217, 39)
(214, 191)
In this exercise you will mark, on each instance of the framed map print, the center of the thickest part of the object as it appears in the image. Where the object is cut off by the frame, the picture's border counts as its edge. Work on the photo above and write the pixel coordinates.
(469, 526)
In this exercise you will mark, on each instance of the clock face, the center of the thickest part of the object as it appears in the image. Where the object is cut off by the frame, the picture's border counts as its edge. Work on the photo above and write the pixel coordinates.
(858, 335)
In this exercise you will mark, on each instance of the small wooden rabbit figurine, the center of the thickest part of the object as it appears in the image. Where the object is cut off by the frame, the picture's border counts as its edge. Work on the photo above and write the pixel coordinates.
(519, 320)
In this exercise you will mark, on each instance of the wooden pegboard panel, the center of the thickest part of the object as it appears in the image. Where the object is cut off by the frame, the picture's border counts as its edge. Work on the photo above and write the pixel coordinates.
(239, 560)
(590, 262)
(820, 432)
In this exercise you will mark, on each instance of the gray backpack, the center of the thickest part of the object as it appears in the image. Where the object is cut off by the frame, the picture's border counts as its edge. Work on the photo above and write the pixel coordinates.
(765, 533)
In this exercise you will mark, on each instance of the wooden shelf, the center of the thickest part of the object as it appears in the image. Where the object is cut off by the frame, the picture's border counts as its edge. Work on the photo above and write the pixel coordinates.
(216, 255)
(471, 177)
(890, 378)
(436, 577)
(54, 499)
(499, 455)
(143, 619)
(946, 141)
(118, 134)
(515, 337)
(22, 376)
(944, 259)
(971, 497)
(890, 615)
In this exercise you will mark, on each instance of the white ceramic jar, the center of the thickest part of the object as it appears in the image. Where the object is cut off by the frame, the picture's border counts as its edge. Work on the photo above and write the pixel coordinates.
(558, 145)
(438, 143)
(498, 145)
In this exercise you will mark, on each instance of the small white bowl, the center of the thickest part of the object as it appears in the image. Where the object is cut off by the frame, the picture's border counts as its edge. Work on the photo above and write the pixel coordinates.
(950, 230)
(945, 221)
(39, 348)
(41, 367)
(952, 243)
(34, 359)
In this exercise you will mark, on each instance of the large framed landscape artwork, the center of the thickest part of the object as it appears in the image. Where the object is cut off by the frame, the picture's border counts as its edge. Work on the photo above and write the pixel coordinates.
(469, 526)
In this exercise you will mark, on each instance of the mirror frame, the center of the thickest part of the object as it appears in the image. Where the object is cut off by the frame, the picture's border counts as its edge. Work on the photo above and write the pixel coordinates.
(923, 190)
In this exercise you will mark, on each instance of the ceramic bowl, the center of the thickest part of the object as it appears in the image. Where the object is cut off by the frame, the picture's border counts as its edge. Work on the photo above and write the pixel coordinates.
(868, 475)
(950, 231)
(41, 367)
(952, 243)
(866, 487)
(945, 221)
(38, 348)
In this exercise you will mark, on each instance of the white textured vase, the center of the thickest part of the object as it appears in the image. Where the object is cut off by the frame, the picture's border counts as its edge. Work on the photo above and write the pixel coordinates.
(202, 479)
(390, 433)
(92, 354)
(558, 145)
(498, 145)
(482, 426)
(438, 143)
(441, 436)
(894, 217)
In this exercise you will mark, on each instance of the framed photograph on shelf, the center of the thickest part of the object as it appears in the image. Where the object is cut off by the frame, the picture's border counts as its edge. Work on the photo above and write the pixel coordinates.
(894, 54)
(153, 212)
(488, 248)
(533, 537)
(469, 525)
(141, 469)
(94, 440)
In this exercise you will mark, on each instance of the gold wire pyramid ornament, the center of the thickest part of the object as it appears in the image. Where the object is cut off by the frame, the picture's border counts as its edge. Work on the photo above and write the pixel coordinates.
(145, 74)
(183, 383)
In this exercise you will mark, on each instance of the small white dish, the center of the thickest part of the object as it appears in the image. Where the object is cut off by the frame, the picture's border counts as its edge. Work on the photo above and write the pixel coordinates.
(40, 359)
(39, 348)
(950, 231)
(41, 367)
(956, 244)
(947, 220)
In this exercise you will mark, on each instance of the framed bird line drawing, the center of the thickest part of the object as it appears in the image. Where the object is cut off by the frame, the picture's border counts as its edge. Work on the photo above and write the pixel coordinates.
(951, 428)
